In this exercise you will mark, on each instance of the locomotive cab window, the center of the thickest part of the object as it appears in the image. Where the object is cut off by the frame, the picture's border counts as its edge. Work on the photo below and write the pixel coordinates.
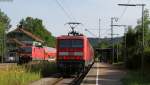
(71, 43)
(77, 43)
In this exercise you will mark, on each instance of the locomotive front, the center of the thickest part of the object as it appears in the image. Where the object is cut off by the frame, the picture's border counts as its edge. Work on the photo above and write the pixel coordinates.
(70, 54)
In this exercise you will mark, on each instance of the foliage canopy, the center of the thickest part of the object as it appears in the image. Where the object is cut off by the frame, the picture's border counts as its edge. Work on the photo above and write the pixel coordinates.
(134, 43)
(35, 26)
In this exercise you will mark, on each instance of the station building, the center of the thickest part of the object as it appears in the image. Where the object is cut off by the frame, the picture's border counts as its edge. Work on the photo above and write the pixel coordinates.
(19, 37)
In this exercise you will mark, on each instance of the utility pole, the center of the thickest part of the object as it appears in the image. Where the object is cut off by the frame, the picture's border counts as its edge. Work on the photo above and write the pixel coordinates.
(3, 46)
(99, 29)
(125, 42)
(117, 47)
(125, 30)
(112, 40)
(112, 20)
(142, 57)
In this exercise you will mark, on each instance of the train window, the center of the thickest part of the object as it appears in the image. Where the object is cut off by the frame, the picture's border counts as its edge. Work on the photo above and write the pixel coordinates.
(77, 43)
(26, 49)
(64, 43)
(11, 54)
(71, 43)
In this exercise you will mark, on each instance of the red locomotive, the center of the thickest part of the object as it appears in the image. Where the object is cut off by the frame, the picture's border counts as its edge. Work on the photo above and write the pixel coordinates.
(29, 53)
(74, 53)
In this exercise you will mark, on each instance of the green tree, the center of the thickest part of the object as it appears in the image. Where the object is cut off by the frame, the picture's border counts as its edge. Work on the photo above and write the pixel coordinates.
(134, 42)
(35, 26)
(4, 27)
(131, 49)
(103, 44)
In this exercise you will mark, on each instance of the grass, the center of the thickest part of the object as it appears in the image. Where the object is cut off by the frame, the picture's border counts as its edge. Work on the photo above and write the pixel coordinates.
(25, 74)
(17, 75)
(135, 78)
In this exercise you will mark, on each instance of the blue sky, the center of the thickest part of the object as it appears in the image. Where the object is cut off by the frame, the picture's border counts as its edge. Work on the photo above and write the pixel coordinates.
(85, 11)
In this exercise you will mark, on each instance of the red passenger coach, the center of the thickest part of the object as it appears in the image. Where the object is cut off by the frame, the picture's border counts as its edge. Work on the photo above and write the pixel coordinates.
(29, 53)
(74, 53)
(50, 53)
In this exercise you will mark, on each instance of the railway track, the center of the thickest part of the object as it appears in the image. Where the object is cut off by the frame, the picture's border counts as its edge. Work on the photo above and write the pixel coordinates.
(72, 80)
(79, 79)
(58, 80)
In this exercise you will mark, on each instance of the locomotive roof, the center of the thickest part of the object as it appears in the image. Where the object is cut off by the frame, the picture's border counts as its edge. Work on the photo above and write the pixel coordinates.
(71, 37)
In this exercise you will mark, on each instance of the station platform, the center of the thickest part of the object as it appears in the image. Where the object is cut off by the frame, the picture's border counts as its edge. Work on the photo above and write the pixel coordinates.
(103, 74)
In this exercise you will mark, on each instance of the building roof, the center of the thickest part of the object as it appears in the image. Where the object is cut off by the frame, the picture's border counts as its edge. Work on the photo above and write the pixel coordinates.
(17, 41)
(28, 34)
(31, 35)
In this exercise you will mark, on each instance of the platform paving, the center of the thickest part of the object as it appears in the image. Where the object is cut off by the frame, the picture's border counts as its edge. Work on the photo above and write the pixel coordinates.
(104, 74)
(44, 81)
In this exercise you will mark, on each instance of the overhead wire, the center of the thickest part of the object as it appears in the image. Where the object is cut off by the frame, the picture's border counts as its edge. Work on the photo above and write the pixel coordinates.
(90, 32)
(73, 18)
(64, 10)
(86, 29)
(123, 12)
(68, 14)
(70, 17)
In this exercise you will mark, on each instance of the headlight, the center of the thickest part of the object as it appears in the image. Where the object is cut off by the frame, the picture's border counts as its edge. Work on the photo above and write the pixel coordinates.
(63, 53)
(78, 53)
(71, 53)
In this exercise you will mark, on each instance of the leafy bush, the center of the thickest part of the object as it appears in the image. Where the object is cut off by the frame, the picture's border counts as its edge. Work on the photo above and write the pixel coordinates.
(135, 78)
(134, 62)
(45, 68)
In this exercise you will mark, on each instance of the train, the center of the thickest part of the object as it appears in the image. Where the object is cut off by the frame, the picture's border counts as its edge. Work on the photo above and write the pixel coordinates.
(74, 54)
(35, 53)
